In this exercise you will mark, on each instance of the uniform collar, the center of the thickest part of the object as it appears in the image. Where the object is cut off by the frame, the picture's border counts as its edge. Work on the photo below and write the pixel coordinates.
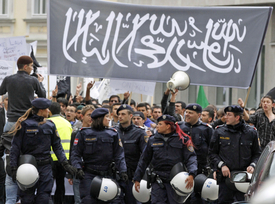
(236, 127)
(158, 135)
(127, 128)
(196, 124)
(38, 118)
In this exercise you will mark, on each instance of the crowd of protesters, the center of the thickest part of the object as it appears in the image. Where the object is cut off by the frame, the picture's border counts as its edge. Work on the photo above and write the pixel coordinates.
(135, 124)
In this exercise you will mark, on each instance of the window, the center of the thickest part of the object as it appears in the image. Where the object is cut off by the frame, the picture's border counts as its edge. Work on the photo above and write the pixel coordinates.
(3, 7)
(223, 96)
(192, 93)
(39, 7)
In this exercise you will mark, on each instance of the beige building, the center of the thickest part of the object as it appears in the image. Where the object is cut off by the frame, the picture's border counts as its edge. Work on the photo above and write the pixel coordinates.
(29, 18)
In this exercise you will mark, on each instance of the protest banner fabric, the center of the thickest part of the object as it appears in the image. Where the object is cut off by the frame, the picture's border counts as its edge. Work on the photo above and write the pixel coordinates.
(215, 46)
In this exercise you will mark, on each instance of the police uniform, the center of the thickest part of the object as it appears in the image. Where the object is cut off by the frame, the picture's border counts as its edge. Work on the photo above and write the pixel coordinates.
(163, 155)
(94, 151)
(234, 146)
(134, 141)
(201, 134)
(36, 138)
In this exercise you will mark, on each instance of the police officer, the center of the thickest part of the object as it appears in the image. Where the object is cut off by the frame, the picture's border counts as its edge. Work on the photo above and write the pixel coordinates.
(34, 136)
(134, 140)
(201, 135)
(165, 149)
(234, 147)
(95, 148)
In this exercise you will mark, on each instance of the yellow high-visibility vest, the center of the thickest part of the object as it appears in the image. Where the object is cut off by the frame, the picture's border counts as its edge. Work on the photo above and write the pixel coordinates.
(64, 129)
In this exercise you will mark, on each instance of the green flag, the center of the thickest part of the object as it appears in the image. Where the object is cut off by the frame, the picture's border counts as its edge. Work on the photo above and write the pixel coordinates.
(202, 100)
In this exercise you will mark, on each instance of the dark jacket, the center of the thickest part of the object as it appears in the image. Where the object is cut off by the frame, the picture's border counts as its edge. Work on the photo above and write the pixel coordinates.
(236, 147)
(2, 120)
(201, 134)
(163, 155)
(134, 141)
(21, 88)
(36, 140)
(98, 149)
(169, 109)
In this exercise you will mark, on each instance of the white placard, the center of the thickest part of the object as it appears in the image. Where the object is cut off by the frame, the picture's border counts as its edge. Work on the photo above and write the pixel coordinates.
(51, 80)
(12, 48)
(104, 90)
(6, 69)
(120, 86)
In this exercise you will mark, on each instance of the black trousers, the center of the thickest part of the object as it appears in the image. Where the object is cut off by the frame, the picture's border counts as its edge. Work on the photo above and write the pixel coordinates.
(59, 174)
(2, 182)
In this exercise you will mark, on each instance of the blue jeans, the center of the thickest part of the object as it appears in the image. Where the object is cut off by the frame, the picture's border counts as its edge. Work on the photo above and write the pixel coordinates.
(11, 187)
(11, 190)
(8, 126)
(76, 183)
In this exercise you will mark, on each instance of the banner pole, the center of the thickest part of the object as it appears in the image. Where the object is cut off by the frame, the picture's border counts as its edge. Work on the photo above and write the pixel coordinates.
(130, 97)
(48, 78)
(152, 101)
(247, 95)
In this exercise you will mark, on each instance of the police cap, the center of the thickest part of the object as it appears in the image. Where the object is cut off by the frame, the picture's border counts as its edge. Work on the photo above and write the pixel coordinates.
(41, 103)
(166, 118)
(123, 107)
(194, 107)
(139, 114)
(234, 109)
(99, 112)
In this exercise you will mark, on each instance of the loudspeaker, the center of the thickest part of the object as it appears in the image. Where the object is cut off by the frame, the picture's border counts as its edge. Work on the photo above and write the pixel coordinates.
(179, 80)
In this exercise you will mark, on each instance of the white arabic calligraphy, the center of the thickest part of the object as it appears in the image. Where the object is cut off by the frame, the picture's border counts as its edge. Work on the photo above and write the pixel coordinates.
(152, 41)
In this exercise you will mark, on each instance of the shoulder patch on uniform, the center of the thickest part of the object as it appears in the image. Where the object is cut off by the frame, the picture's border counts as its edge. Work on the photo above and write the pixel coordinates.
(113, 129)
(217, 127)
(75, 141)
(255, 128)
(146, 138)
(56, 132)
(120, 143)
(190, 148)
(141, 127)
